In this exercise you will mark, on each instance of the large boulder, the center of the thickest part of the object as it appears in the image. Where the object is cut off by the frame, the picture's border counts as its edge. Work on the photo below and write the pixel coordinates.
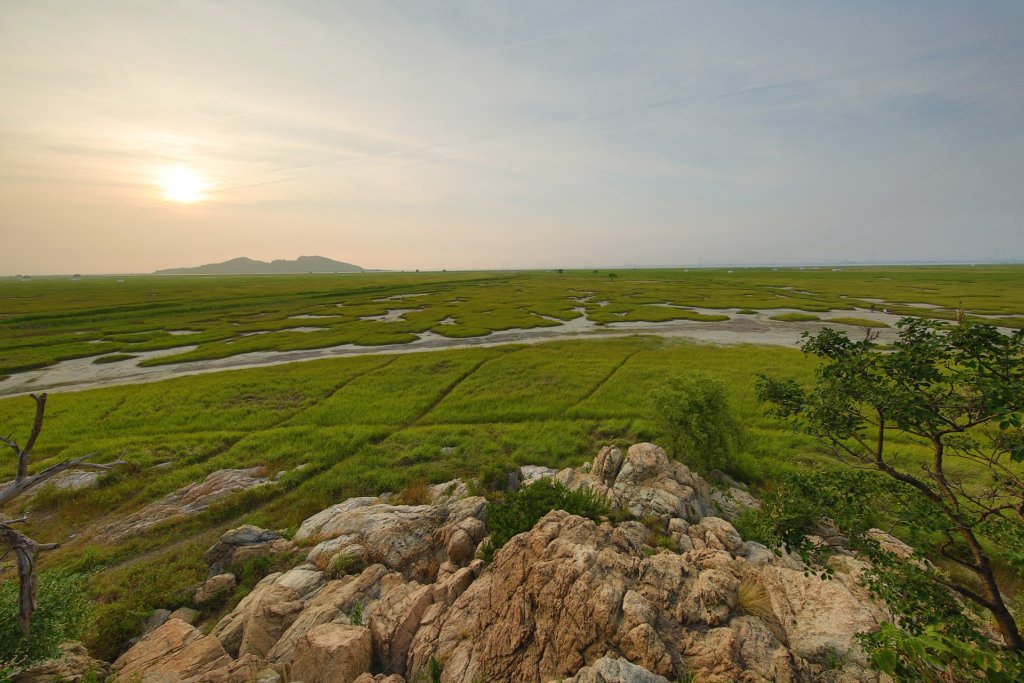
(263, 616)
(332, 653)
(242, 544)
(412, 539)
(644, 483)
(177, 650)
(213, 587)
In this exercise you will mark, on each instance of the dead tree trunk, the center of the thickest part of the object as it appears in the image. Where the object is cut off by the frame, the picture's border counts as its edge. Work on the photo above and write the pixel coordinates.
(25, 549)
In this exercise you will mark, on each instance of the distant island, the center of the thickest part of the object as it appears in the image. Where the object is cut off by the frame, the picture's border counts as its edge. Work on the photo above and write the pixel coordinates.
(248, 266)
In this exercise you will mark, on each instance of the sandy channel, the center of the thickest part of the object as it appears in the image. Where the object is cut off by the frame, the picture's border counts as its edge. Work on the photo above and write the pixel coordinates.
(82, 373)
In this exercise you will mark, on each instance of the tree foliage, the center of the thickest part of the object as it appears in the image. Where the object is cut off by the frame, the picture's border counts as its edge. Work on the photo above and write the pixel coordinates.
(940, 394)
(694, 409)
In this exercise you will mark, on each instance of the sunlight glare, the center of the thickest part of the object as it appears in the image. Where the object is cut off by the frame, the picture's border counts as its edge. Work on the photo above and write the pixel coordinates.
(182, 185)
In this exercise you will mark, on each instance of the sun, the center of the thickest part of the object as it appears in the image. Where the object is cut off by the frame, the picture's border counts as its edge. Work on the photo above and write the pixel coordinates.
(182, 185)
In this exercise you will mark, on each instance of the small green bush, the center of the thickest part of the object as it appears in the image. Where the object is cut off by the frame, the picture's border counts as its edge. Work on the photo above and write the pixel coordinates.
(64, 613)
(695, 412)
(494, 475)
(521, 510)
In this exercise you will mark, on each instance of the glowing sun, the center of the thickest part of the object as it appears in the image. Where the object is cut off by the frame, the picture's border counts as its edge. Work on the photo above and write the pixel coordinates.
(182, 185)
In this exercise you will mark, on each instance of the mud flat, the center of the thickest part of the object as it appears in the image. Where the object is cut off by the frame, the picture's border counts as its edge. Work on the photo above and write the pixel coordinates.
(82, 373)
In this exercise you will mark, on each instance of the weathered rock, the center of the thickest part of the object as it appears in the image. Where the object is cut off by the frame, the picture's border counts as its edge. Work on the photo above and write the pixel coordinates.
(732, 501)
(239, 545)
(73, 665)
(176, 649)
(570, 599)
(890, 543)
(186, 614)
(156, 620)
(334, 603)
(531, 473)
(332, 653)
(607, 465)
(411, 539)
(456, 488)
(608, 670)
(278, 606)
(644, 483)
(258, 621)
(186, 501)
(213, 587)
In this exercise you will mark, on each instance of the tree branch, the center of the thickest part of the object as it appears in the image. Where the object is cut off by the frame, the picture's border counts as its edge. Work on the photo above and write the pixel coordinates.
(37, 426)
(23, 484)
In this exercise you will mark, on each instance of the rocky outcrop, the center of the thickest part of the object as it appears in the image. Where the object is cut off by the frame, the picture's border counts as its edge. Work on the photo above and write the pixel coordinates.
(238, 546)
(186, 501)
(644, 483)
(177, 651)
(214, 586)
(332, 653)
(570, 591)
(73, 665)
(672, 591)
(411, 539)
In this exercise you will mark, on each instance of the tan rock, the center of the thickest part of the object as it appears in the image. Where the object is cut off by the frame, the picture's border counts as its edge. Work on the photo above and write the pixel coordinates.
(608, 670)
(277, 607)
(73, 665)
(607, 465)
(412, 539)
(176, 649)
(259, 620)
(333, 604)
(186, 614)
(186, 501)
(213, 587)
(332, 653)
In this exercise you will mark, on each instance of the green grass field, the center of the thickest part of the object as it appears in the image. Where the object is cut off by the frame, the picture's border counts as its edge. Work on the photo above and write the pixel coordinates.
(46, 320)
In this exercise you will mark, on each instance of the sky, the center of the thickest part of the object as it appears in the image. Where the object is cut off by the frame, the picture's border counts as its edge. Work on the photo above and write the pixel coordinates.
(529, 134)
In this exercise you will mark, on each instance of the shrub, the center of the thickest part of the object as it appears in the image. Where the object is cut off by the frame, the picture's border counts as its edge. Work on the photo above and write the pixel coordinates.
(494, 475)
(521, 510)
(64, 613)
(695, 412)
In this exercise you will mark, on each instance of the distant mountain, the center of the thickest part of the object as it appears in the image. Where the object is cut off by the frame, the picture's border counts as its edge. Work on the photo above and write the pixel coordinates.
(248, 266)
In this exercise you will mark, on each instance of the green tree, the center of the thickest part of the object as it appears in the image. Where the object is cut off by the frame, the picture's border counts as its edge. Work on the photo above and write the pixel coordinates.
(940, 394)
(694, 410)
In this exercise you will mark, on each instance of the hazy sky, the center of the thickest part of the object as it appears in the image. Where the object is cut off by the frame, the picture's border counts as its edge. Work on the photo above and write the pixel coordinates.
(508, 134)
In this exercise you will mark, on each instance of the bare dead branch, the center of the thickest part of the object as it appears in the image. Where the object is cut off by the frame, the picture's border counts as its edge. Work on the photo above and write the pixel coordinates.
(37, 426)
(19, 486)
